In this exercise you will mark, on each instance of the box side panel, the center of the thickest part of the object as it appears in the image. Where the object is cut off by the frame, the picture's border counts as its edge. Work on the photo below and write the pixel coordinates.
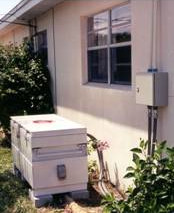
(26, 169)
(161, 89)
(45, 173)
(26, 144)
(59, 152)
(16, 158)
(60, 140)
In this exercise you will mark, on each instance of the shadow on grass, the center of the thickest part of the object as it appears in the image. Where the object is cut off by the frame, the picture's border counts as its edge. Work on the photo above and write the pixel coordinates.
(13, 192)
(11, 188)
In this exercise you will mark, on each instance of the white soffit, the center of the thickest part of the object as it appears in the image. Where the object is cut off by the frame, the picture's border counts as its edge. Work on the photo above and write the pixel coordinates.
(25, 11)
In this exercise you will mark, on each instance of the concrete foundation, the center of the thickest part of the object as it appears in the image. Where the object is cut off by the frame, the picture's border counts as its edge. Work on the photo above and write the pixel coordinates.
(40, 201)
(80, 194)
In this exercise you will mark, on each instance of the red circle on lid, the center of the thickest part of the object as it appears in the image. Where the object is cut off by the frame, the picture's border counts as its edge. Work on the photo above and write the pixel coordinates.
(42, 121)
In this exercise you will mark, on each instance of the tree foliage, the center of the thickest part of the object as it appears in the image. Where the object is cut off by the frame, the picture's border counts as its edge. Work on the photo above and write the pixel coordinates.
(24, 83)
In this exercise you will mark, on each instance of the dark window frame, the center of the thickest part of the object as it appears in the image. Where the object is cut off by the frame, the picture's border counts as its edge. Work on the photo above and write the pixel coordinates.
(94, 45)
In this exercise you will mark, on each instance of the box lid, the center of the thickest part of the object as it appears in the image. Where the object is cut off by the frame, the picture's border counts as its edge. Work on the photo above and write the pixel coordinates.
(48, 125)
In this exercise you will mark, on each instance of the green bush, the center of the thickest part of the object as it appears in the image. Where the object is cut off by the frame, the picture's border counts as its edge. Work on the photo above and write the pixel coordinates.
(92, 166)
(24, 83)
(153, 178)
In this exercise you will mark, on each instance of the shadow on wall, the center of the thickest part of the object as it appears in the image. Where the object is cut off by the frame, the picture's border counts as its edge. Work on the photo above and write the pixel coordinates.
(117, 181)
(109, 104)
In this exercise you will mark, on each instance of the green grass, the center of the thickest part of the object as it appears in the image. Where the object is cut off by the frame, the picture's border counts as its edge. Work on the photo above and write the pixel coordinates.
(13, 192)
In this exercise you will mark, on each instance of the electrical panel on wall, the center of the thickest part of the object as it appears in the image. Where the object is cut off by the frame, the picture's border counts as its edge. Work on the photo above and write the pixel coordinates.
(152, 88)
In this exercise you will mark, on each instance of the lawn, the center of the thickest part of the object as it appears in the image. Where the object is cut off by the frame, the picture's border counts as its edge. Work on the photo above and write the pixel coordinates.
(14, 192)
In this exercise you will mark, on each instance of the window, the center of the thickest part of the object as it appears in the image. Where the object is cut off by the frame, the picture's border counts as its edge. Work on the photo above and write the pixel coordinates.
(109, 46)
(25, 39)
(40, 45)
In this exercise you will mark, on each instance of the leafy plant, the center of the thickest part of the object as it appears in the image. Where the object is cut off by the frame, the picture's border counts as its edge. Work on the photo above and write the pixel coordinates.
(92, 144)
(92, 166)
(153, 178)
(110, 204)
(24, 83)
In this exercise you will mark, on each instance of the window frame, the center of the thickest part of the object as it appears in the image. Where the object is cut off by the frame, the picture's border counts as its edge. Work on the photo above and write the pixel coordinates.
(108, 46)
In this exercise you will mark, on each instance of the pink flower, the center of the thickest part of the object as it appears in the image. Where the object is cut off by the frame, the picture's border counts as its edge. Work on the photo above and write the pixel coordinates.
(102, 145)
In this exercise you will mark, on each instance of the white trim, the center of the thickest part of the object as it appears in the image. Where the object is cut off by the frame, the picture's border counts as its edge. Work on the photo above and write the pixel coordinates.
(98, 47)
(121, 87)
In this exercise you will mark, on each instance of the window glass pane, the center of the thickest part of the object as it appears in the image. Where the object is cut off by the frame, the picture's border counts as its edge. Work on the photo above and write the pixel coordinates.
(123, 54)
(121, 34)
(42, 46)
(98, 21)
(42, 39)
(121, 75)
(97, 38)
(97, 66)
(121, 65)
(121, 15)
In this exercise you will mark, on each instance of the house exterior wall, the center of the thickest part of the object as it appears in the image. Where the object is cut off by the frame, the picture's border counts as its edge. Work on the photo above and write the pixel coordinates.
(109, 112)
(7, 38)
(15, 36)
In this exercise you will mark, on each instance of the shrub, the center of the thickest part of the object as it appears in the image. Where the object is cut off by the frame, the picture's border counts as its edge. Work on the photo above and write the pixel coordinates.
(24, 83)
(153, 178)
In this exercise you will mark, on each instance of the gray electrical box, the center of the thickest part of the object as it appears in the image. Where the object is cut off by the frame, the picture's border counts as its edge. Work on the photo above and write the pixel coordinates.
(152, 88)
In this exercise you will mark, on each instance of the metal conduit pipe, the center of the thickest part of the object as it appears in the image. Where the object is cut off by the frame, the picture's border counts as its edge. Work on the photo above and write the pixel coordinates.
(153, 110)
(155, 9)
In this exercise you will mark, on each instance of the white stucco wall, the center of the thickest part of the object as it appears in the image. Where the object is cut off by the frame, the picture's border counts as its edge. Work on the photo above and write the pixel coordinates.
(7, 38)
(15, 36)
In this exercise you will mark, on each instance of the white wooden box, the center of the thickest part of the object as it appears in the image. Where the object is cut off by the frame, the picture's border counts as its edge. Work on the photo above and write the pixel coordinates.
(50, 152)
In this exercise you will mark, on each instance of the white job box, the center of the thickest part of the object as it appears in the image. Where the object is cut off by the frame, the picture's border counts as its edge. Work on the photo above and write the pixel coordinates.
(50, 153)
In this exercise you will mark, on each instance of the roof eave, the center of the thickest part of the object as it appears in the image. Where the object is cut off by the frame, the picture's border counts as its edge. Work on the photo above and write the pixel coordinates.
(25, 11)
